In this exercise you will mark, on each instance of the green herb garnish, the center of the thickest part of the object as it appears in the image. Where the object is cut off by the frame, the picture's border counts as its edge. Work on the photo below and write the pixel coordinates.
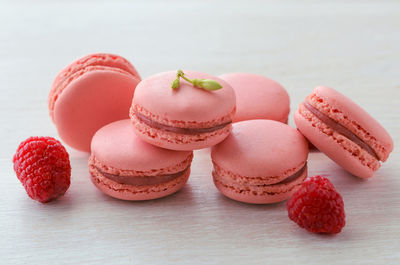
(207, 84)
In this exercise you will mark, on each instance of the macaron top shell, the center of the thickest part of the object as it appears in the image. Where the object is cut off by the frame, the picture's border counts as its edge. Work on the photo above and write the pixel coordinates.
(186, 103)
(259, 148)
(258, 97)
(116, 145)
(346, 112)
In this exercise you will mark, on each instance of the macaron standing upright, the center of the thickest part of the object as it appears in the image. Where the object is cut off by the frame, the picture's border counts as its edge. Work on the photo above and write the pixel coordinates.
(125, 167)
(186, 117)
(258, 97)
(261, 161)
(90, 93)
(344, 131)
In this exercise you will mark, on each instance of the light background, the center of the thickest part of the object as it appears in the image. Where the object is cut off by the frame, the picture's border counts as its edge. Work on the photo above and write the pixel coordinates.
(352, 46)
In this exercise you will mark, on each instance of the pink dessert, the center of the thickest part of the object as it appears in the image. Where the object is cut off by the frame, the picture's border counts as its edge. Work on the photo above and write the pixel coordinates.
(90, 93)
(258, 97)
(185, 118)
(125, 167)
(262, 161)
(343, 131)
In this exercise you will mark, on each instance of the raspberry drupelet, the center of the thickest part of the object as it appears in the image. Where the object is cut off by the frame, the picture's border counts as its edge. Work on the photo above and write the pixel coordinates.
(43, 167)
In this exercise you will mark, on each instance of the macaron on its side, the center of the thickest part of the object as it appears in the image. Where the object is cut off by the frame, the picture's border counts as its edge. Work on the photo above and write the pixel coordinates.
(185, 118)
(262, 161)
(87, 96)
(91, 62)
(258, 97)
(125, 167)
(343, 131)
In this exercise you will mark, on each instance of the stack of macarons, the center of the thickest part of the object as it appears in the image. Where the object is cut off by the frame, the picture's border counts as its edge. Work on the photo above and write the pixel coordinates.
(141, 133)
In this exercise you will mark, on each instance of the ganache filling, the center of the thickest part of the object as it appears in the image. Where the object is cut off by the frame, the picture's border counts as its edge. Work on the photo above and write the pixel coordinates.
(163, 127)
(340, 129)
(142, 180)
(286, 180)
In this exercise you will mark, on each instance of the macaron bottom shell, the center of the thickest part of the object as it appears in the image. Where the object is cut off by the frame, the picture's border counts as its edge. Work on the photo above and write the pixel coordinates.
(258, 194)
(137, 192)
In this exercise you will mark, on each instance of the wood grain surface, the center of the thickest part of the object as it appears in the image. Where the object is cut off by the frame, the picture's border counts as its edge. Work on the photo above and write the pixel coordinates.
(352, 46)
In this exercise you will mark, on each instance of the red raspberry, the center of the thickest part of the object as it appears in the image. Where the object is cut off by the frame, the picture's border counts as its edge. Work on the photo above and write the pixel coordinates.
(42, 165)
(317, 206)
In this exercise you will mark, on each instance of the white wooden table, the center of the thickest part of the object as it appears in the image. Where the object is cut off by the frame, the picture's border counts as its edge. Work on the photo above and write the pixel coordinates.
(349, 45)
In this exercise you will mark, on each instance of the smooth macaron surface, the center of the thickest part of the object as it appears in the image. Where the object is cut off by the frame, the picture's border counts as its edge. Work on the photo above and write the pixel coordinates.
(117, 151)
(343, 131)
(90, 93)
(258, 161)
(258, 97)
(187, 107)
(117, 146)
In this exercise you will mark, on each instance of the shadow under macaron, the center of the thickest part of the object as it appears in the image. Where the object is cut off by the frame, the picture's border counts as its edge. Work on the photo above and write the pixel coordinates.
(182, 198)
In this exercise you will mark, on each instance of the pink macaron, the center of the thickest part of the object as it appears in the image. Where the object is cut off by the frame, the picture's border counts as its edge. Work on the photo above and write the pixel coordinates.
(185, 118)
(262, 161)
(90, 93)
(125, 167)
(343, 131)
(258, 97)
